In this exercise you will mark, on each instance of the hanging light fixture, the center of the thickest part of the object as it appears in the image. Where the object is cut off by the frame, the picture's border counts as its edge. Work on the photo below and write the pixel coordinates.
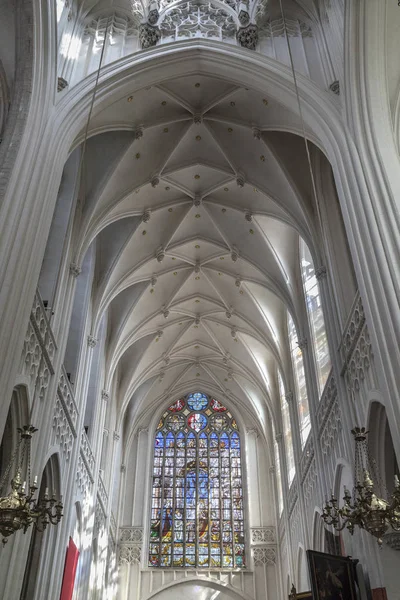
(364, 508)
(20, 509)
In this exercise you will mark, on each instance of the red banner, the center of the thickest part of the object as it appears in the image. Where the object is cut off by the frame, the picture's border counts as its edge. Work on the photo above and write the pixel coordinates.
(71, 561)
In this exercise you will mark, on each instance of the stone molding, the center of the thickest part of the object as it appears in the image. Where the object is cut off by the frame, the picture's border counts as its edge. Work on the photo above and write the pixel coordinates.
(83, 478)
(99, 517)
(67, 398)
(307, 456)
(292, 496)
(38, 353)
(131, 534)
(102, 493)
(356, 349)
(262, 535)
(328, 397)
(130, 545)
(331, 429)
(87, 455)
(264, 556)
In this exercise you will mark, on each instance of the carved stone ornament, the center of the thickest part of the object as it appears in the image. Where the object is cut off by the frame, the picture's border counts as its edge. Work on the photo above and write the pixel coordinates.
(139, 133)
(105, 395)
(75, 269)
(248, 37)
(153, 17)
(264, 556)
(248, 216)
(155, 182)
(146, 216)
(256, 133)
(240, 181)
(234, 254)
(199, 18)
(263, 535)
(131, 534)
(92, 341)
(160, 254)
(302, 343)
(148, 35)
(244, 18)
(197, 119)
(116, 436)
(320, 273)
(61, 84)
(335, 87)
(289, 397)
(129, 554)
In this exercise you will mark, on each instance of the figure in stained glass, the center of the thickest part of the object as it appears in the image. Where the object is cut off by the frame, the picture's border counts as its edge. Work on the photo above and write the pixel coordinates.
(197, 499)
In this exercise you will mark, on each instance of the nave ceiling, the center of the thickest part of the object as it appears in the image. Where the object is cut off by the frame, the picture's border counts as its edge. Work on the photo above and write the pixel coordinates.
(195, 194)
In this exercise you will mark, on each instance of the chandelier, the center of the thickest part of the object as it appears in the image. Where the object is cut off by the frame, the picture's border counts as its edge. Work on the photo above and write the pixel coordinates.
(364, 508)
(19, 509)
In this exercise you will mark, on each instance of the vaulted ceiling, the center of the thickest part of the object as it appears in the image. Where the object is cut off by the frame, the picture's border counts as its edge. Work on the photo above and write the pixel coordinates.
(195, 193)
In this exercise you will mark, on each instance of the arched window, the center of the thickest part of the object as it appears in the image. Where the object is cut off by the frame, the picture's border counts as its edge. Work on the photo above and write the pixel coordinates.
(300, 381)
(316, 316)
(197, 496)
(278, 473)
(287, 433)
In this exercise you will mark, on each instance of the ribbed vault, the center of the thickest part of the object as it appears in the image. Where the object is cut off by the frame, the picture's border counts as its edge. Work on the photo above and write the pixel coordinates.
(196, 194)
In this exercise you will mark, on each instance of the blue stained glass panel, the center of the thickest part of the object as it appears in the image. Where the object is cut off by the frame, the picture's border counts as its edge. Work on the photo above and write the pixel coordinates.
(197, 401)
(197, 499)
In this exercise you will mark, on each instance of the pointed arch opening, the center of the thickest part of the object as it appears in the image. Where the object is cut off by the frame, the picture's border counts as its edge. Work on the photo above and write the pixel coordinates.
(197, 513)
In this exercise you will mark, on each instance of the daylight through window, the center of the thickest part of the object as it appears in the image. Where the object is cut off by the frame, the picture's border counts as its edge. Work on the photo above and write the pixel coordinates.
(197, 497)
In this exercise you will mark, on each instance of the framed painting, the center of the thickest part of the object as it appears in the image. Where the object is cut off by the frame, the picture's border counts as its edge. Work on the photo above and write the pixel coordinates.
(332, 577)
(301, 596)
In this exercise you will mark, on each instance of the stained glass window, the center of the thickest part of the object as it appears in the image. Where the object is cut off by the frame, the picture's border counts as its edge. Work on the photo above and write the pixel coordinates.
(197, 498)
(315, 315)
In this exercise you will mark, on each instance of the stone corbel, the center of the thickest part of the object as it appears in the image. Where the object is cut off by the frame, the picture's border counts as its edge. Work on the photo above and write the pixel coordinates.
(149, 35)
(247, 37)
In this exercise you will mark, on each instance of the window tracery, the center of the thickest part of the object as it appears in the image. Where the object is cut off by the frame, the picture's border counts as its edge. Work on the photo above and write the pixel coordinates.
(287, 432)
(197, 496)
(315, 316)
(300, 382)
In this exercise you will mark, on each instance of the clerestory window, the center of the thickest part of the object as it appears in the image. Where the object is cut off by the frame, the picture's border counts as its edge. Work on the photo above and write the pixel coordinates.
(197, 494)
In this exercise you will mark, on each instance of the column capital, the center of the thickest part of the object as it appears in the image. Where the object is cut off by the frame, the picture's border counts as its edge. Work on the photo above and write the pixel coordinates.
(302, 343)
(252, 431)
(92, 341)
(105, 395)
(320, 273)
(289, 397)
(75, 270)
